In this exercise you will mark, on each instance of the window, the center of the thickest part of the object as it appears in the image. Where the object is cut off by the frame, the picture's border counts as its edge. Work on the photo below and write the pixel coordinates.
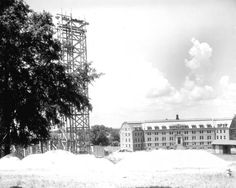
(156, 138)
(220, 131)
(149, 139)
(201, 137)
(171, 132)
(163, 127)
(208, 131)
(208, 137)
(163, 133)
(164, 144)
(185, 132)
(224, 137)
(219, 125)
(149, 133)
(156, 127)
(201, 126)
(149, 144)
(201, 132)
(224, 131)
(193, 126)
(193, 137)
(209, 125)
(185, 138)
(156, 144)
(163, 138)
(220, 137)
(149, 128)
(193, 132)
(171, 138)
(217, 137)
(156, 133)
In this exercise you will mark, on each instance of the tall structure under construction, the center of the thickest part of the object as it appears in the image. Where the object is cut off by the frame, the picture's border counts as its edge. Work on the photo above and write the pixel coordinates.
(72, 34)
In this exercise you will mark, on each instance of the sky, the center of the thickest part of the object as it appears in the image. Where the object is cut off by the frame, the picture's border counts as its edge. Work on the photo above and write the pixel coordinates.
(159, 57)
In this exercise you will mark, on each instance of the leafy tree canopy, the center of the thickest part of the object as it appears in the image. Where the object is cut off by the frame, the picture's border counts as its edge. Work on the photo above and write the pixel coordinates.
(101, 135)
(35, 88)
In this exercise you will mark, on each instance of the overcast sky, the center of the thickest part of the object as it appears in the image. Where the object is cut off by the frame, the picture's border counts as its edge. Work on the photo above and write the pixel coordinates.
(159, 57)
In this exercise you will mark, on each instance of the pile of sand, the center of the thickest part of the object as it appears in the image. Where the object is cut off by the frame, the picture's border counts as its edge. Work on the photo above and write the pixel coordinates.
(66, 163)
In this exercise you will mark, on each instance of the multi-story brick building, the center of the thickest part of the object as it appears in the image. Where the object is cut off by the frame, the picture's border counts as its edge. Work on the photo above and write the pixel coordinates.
(172, 134)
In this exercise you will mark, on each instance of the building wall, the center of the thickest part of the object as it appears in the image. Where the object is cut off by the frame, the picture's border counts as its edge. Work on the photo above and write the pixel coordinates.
(191, 134)
(126, 139)
(138, 139)
(191, 138)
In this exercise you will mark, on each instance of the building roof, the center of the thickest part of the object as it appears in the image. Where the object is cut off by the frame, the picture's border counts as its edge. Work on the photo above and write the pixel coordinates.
(224, 142)
(233, 123)
(179, 120)
(184, 123)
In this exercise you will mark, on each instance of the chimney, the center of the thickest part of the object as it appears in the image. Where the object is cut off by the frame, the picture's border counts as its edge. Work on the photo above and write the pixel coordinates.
(177, 117)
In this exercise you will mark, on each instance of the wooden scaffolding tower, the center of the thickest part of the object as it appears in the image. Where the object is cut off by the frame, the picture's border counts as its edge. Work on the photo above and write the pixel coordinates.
(74, 132)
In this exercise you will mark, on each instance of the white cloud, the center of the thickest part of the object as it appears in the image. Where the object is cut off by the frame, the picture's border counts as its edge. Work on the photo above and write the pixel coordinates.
(226, 99)
(195, 88)
(200, 54)
(228, 89)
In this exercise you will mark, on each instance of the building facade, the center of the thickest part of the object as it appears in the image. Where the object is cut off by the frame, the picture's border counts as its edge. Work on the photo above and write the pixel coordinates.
(173, 134)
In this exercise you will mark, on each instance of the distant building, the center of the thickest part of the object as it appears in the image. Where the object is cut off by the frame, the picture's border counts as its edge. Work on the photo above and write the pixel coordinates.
(174, 134)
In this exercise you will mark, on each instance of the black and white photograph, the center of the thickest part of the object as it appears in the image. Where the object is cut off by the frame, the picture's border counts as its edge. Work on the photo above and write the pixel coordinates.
(117, 93)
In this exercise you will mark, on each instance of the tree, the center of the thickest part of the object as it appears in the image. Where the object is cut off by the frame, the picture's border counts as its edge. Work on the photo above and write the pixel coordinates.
(35, 88)
(114, 138)
(99, 135)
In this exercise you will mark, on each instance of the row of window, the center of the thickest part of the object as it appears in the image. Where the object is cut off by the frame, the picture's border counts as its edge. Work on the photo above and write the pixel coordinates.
(220, 131)
(185, 138)
(137, 145)
(220, 137)
(185, 144)
(138, 134)
(126, 134)
(127, 140)
(179, 132)
(182, 126)
(187, 132)
(221, 125)
(138, 140)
